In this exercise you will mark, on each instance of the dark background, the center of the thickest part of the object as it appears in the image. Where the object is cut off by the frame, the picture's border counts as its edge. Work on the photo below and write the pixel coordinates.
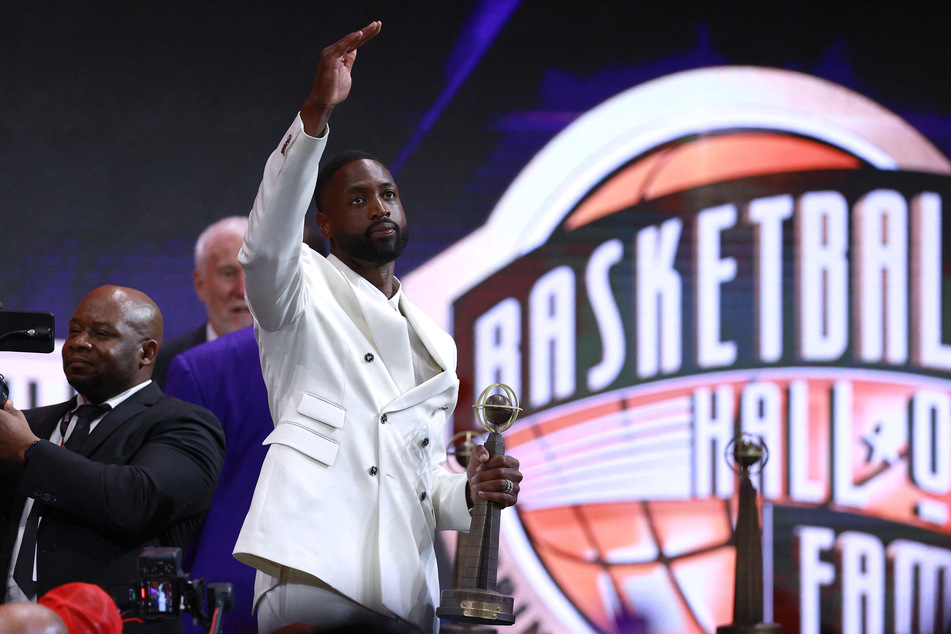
(126, 128)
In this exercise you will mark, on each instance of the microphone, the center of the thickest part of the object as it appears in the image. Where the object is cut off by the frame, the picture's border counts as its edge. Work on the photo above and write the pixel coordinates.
(40, 333)
(23, 331)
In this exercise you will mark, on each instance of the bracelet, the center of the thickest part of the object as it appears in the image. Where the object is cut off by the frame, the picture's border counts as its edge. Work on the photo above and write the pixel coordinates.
(29, 450)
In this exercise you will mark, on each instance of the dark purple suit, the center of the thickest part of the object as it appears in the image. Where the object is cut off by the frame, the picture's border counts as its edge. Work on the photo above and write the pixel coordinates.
(224, 376)
(173, 347)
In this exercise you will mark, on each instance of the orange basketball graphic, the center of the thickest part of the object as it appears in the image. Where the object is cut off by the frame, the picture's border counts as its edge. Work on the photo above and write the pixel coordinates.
(706, 160)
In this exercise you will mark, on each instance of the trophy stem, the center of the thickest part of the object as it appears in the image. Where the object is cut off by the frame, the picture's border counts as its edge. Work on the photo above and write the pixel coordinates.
(748, 584)
(748, 580)
(482, 556)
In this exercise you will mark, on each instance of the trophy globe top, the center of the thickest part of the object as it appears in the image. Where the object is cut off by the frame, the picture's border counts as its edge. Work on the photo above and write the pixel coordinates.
(496, 412)
(747, 452)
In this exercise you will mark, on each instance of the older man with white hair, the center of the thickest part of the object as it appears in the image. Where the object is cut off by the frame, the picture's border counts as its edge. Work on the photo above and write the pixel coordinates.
(219, 284)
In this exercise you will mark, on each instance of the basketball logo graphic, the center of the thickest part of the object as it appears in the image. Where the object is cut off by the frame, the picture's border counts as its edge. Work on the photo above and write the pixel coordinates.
(721, 250)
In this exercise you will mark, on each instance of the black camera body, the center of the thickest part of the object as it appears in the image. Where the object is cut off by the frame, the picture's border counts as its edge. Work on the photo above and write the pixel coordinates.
(163, 591)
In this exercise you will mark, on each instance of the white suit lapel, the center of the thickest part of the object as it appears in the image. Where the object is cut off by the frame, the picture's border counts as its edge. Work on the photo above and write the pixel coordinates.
(425, 329)
(424, 392)
(347, 298)
(392, 339)
(382, 325)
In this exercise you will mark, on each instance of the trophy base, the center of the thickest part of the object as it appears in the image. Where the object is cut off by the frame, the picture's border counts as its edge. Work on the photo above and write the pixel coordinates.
(758, 628)
(466, 628)
(471, 605)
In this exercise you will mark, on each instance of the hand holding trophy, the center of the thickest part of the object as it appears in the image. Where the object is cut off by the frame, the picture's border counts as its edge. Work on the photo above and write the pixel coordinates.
(477, 600)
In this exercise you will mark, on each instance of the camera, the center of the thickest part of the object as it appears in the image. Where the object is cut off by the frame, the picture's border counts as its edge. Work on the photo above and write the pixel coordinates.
(163, 591)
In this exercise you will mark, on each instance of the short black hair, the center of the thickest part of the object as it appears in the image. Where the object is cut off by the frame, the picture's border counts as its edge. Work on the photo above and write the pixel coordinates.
(326, 173)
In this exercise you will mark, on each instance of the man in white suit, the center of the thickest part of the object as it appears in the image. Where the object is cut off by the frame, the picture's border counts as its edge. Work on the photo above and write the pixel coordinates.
(360, 386)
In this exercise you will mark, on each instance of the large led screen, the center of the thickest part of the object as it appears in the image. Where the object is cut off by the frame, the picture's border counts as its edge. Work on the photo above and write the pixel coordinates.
(662, 224)
(764, 257)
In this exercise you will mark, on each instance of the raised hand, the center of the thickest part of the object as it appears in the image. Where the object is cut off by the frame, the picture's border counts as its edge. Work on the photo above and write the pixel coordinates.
(333, 81)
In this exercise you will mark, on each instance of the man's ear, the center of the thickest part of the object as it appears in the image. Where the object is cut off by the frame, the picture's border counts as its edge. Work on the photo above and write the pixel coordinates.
(324, 224)
(150, 348)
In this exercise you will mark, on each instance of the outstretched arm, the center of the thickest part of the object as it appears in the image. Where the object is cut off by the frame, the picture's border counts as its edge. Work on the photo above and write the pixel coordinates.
(271, 254)
(332, 81)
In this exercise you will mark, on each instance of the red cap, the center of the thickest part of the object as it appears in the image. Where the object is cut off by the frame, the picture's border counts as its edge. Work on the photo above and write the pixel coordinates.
(85, 608)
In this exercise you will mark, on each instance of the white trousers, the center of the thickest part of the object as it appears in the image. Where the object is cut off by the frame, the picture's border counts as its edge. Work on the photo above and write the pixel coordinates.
(296, 597)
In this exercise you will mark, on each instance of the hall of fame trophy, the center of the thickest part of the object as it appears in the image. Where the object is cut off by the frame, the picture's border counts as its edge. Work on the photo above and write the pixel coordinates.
(744, 453)
(461, 446)
(476, 600)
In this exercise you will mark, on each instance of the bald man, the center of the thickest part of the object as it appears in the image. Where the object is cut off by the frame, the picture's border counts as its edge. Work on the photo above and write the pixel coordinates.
(30, 618)
(84, 489)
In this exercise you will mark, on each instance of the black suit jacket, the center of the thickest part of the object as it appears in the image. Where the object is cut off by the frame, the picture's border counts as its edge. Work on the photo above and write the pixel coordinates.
(175, 346)
(145, 476)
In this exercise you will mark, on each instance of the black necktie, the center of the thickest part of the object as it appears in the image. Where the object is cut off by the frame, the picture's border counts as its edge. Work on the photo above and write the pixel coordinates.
(23, 570)
(84, 415)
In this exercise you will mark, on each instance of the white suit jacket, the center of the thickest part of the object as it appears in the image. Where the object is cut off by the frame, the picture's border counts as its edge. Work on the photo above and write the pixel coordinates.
(352, 488)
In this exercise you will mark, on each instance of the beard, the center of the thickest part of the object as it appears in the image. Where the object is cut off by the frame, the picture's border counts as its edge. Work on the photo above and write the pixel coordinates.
(378, 251)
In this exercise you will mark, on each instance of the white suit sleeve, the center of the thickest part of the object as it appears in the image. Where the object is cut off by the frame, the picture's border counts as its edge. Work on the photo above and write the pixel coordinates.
(449, 500)
(271, 253)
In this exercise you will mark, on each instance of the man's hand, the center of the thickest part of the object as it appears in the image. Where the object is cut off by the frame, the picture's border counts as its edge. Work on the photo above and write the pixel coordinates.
(332, 82)
(488, 478)
(15, 434)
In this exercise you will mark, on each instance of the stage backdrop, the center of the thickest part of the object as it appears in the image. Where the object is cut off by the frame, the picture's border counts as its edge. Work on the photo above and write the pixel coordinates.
(660, 225)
